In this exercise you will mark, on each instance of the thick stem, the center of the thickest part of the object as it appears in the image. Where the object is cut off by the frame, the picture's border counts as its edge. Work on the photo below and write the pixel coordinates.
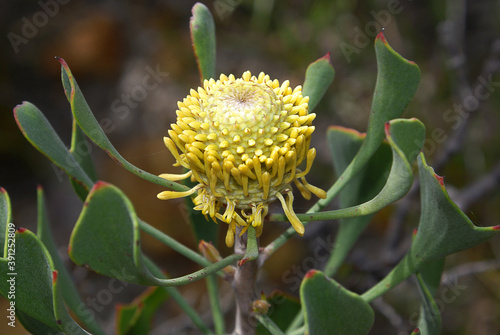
(244, 286)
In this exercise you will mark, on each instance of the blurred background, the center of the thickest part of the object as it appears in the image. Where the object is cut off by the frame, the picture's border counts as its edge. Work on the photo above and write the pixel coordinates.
(114, 48)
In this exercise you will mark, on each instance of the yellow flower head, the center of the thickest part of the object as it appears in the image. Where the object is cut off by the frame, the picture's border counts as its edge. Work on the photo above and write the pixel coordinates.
(242, 141)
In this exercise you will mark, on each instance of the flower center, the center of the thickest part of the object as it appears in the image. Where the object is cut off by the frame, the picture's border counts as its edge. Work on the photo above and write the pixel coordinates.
(242, 106)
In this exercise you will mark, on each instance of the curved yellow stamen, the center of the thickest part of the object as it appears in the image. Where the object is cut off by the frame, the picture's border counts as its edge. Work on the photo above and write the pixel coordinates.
(166, 195)
(259, 213)
(293, 168)
(212, 207)
(315, 190)
(244, 185)
(228, 214)
(306, 194)
(258, 230)
(257, 169)
(274, 160)
(236, 174)
(230, 234)
(281, 169)
(266, 183)
(239, 220)
(195, 173)
(213, 182)
(290, 214)
(196, 161)
(244, 169)
(169, 143)
(311, 154)
(175, 177)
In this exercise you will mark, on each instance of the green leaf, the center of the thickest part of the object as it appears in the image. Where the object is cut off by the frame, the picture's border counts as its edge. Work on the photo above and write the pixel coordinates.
(203, 38)
(43, 137)
(397, 82)
(443, 230)
(319, 76)
(135, 318)
(89, 125)
(406, 138)
(80, 149)
(106, 236)
(428, 282)
(35, 284)
(68, 289)
(331, 309)
(106, 239)
(32, 272)
(5, 219)
(344, 143)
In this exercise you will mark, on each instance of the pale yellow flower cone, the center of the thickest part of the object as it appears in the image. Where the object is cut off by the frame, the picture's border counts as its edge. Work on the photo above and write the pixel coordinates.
(242, 141)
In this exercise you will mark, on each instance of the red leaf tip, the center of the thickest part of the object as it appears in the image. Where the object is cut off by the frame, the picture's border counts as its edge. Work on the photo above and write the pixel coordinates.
(62, 61)
(3, 190)
(496, 227)
(21, 229)
(327, 57)
(99, 184)
(439, 179)
(54, 277)
(243, 261)
(387, 128)
(415, 231)
(310, 273)
(381, 37)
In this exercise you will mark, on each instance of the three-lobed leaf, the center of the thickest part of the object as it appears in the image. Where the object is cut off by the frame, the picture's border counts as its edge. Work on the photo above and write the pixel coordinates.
(397, 82)
(443, 230)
